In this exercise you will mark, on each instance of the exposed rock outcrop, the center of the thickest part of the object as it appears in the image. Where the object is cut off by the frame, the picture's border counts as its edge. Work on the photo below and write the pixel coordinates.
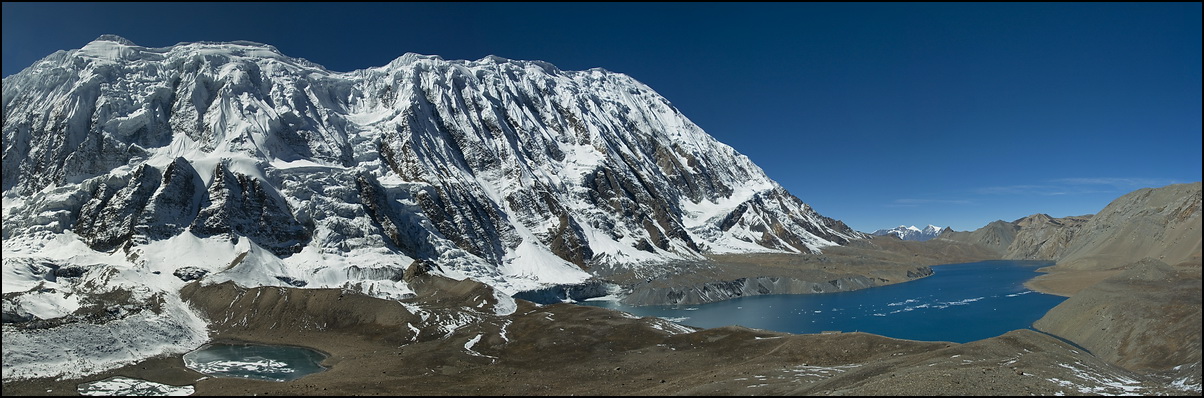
(242, 205)
(108, 219)
(1041, 237)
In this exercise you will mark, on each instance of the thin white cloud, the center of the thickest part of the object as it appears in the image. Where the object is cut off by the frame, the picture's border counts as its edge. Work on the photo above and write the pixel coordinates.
(1018, 190)
(1116, 182)
(919, 202)
(1076, 186)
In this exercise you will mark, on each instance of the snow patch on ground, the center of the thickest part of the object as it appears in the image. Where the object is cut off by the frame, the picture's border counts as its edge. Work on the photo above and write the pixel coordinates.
(472, 342)
(505, 304)
(47, 303)
(1092, 382)
(125, 386)
(670, 327)
(80, 349)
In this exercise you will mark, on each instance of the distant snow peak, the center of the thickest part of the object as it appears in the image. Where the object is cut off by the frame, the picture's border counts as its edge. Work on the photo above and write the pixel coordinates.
(911, 232)
(115, 39)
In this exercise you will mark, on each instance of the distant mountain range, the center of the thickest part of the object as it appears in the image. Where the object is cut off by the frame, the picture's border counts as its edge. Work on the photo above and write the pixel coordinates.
(912, 232)
(1159, 223)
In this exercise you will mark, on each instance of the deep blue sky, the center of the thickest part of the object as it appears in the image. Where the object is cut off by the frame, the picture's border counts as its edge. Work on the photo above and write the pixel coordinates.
(875, 114)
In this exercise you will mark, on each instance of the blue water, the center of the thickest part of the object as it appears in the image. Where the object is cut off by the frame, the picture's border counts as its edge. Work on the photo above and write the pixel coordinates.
(254, 361)
(958, 303)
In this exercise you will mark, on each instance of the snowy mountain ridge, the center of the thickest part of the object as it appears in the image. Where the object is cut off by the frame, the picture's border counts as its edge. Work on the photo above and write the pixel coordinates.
(514, 173)
(129, 172)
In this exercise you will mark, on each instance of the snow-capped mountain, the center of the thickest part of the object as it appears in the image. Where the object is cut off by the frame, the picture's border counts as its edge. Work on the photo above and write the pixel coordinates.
(514, 173)
(911, 233)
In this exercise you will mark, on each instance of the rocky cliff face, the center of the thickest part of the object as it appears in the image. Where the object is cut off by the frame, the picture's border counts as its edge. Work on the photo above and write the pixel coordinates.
(1036, 237)
(1041, 237)
(511, 172)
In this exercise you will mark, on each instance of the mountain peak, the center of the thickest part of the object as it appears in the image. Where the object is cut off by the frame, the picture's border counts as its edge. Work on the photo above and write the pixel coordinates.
(410, 58)
(114, 39)
(494, 59)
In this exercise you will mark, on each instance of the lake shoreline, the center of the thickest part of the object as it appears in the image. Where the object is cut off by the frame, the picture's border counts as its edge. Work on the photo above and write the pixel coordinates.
(1066, 283)
(985, 298)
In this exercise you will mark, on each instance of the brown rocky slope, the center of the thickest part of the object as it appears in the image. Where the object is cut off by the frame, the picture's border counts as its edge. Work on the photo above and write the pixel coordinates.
(1161, 223)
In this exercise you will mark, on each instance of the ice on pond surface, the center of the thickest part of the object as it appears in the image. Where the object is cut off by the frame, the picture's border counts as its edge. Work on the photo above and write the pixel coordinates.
(263, 362)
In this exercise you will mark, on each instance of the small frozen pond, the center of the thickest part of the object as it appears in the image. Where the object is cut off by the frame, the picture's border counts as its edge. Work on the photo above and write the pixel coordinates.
(255, 361)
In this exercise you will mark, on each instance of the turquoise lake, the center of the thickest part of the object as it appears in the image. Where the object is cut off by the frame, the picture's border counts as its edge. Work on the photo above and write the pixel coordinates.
(255, 361)
(958, 303)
